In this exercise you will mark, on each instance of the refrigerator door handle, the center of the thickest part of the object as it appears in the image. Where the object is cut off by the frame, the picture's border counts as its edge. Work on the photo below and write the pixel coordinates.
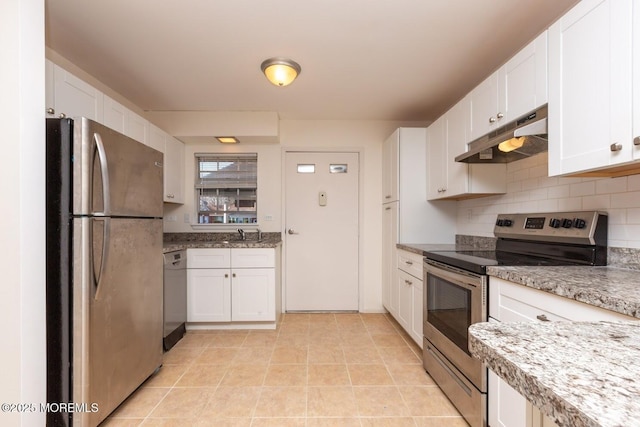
(106, 236)
(104, 171)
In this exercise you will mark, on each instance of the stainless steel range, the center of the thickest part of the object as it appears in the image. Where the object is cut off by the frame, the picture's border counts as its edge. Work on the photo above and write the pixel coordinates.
(456, 292)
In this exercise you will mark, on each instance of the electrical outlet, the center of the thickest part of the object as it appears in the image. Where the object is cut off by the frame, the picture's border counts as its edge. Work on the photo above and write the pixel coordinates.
(171, 218)
(268, 217)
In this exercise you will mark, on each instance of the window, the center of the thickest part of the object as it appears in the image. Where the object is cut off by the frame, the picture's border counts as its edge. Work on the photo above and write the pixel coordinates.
(226, 188)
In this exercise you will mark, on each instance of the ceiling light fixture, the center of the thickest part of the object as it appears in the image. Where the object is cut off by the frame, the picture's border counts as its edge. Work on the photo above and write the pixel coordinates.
(227, 139)
(280, 71)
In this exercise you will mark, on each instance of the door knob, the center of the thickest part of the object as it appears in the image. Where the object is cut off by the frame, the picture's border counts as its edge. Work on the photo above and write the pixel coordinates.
(292, 231)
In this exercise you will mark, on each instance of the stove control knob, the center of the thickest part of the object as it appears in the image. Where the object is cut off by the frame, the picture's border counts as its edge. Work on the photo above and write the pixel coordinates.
(554, 223)
(500, 223)
(508, 223)
(567, 223)
(579, 223)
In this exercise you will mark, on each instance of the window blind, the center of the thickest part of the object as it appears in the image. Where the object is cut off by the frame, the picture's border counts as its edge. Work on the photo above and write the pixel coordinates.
(226, 171)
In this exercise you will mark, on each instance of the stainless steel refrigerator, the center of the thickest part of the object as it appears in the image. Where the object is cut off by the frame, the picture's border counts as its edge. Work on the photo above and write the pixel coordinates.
(104, 268)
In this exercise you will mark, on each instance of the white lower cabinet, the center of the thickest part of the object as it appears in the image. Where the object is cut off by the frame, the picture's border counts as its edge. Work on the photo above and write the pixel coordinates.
(231, 285)
(511, 302)
(408, 290)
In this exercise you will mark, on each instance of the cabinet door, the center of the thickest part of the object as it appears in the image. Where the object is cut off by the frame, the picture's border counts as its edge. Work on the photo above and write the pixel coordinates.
(418, 307)
(457, 137)
(405, 300)
(253, 294)
(138, 128)
(590, 87)
(208, 295)
(157, 138)
(390, 184)
(507, 407)
(74, 97)
(437, 159)
(485, 116)
(115, 115)
(522, 81)
(173, 171)
(636, 82)
(390, 260)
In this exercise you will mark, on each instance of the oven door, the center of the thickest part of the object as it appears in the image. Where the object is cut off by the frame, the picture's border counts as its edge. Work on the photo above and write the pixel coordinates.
(453, 300)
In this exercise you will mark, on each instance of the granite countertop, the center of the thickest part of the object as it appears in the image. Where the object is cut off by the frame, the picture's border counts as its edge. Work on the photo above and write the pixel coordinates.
(611, 288)
(420, 249)
(179, 241)
(576, 373)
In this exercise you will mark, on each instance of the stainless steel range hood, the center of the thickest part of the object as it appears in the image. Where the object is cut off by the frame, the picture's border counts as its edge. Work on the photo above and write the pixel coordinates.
(517, 140)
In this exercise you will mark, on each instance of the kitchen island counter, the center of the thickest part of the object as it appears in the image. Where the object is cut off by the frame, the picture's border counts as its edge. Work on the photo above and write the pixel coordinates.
(576, 373)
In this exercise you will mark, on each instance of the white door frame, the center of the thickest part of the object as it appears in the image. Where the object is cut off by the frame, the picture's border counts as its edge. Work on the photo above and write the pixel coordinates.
(360, 152)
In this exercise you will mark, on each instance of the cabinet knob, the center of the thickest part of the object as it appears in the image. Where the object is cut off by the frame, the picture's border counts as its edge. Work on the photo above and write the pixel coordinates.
(233, 275)
(62, 115)
(616, 146)
(51, 111)
(543, 318)
(170, 196)
(408, 282)
(636, 140)
(500, 115)
(226, 276)
(492, 119)
(408, 262)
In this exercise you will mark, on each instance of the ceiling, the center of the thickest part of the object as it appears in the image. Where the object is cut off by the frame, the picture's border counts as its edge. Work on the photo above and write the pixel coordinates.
(361, 59)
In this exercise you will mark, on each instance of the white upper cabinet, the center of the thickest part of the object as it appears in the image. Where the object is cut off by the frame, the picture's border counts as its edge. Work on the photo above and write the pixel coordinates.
(485, 113)
(390, 183)
(518, 87)
(71, 96)
(173, 163)
(522, 81)
(173, 170)
(590, 87)
(138, 128)
(115, 115)
(437, 160)
(447, 137)
(120, 118)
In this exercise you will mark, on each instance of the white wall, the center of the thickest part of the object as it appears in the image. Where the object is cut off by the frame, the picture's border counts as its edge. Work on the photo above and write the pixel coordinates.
(22, 168)
(529, 189)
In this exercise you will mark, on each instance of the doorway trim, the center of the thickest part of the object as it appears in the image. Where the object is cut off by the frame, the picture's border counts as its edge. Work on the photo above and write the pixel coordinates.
(294, 149)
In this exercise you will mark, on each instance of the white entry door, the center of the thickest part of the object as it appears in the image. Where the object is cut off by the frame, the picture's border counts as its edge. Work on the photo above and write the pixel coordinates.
(321, 217)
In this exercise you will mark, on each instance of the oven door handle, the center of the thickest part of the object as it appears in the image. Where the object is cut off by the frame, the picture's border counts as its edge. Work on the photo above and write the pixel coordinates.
(474, 281)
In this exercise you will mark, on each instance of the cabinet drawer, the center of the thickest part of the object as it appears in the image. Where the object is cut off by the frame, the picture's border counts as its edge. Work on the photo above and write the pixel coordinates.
(253, 258)
(410, 263)
(209, 258)
(513, 302)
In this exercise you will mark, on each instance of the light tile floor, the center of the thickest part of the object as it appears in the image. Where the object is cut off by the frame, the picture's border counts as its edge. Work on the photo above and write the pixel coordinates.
(314, 370)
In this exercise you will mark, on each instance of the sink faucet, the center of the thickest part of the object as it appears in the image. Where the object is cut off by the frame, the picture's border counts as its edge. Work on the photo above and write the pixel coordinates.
(259, 234)
(243, 236)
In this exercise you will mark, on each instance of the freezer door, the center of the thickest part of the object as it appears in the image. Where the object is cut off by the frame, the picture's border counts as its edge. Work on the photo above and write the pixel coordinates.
(117, 310)
(114, 175)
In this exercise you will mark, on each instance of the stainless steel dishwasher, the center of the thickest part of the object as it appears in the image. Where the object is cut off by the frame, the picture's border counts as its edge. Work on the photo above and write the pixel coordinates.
(175, 297)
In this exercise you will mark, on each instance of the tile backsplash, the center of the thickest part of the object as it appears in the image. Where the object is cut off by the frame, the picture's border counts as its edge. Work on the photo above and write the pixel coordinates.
(529, 189)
